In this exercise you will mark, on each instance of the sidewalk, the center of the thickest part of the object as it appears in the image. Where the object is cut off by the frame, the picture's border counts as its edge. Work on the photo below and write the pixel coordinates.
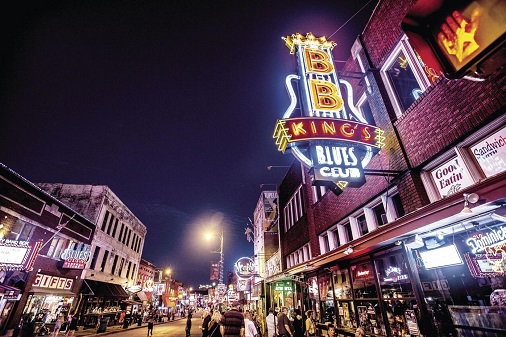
(113, 329)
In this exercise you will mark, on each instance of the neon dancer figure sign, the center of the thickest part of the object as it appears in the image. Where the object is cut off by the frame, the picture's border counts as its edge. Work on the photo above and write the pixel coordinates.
(334, 141)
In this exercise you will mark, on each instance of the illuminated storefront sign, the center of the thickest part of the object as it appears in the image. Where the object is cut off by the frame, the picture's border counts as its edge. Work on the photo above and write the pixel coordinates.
(55, 282)
(270, 200)
(394, 274)
(491, 239)
(451, 177)
(245, 268)
(332, 139)
(18, 255)
(490, 153)
(148, 285)
(461, 37)
(74, 258)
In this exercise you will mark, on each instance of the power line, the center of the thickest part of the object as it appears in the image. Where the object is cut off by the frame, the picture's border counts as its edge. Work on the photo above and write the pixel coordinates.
(344, 24)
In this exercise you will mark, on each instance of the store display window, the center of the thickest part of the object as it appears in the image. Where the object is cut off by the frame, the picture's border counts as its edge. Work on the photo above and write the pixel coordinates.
(364, 284)
(366, 299)
(48, 308)
(314, 298)
(326, 298)
(342, 292)
(463, 278)
(399, 301)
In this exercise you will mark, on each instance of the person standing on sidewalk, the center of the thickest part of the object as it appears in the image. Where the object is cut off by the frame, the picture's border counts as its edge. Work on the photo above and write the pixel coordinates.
(188, 325)
(151, 323)
(206, 318)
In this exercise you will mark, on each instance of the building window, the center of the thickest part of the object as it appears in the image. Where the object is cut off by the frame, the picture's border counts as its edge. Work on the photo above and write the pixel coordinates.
(114, 264)
(379, 213)
(128, 269)
(319, 192)
(294, 209)
(348, 232)
(121, 266)
(362, 225)
(324, 242)
(299, 256)
(104, 260)
(58, 244)
(404, 77)
(121, 231)
(20, 230)
(95, 258)
(335, 238)
(104, 222)
(365, 109)
(115, 228)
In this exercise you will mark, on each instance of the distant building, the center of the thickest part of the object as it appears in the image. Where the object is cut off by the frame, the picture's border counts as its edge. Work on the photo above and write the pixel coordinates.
(44, 247)
(146, 281)
(116, 249)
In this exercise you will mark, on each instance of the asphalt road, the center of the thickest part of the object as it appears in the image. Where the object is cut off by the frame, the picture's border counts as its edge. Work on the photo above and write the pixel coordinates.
(174, 328)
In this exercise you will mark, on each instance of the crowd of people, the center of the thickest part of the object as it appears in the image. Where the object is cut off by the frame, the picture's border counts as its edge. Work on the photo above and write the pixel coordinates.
(249, 323)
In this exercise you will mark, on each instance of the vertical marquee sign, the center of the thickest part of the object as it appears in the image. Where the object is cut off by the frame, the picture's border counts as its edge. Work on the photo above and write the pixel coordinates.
(333, 141)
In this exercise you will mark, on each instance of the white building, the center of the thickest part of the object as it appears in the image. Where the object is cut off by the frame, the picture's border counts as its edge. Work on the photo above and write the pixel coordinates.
(119, 237)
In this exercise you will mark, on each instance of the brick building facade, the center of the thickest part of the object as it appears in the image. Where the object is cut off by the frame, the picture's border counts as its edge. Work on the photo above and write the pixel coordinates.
(365, 257)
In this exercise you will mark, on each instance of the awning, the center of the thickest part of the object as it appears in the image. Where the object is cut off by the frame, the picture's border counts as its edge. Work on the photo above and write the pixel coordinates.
(103, 289)
(8, 292)
(142, 296)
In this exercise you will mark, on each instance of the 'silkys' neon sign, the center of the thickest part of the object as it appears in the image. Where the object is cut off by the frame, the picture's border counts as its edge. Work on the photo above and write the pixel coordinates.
(333, 140)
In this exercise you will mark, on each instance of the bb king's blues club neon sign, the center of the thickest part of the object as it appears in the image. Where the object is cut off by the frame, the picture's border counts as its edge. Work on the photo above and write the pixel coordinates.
(334, 141)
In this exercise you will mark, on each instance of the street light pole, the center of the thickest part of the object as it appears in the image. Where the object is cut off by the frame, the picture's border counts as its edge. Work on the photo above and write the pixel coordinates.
(221, 256)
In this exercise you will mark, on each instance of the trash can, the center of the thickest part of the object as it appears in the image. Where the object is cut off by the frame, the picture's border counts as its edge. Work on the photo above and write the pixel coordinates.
(102, 324)
(126, 323)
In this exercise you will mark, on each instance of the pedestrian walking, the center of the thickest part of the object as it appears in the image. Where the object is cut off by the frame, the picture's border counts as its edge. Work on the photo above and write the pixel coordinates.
(272, 321)
(151, 323)
(188, 325)
(250, 329)
(298, 329)
(72, 326)
(27, 326)
(214, 324)
(57, 326)
(310, 323)
(232, 322)
(284, 324)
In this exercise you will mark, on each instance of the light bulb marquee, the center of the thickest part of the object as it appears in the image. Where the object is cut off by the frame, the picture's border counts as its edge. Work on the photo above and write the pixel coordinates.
(333, 140)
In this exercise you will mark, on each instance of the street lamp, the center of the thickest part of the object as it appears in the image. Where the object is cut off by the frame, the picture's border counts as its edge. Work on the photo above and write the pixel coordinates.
(208, 237)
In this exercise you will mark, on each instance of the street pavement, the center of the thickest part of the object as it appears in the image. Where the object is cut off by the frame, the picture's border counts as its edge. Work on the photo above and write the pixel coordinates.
(119, 328)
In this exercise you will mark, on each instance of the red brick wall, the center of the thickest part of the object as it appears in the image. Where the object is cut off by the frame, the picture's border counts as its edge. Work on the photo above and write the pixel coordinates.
(448, 110)
(384, 29)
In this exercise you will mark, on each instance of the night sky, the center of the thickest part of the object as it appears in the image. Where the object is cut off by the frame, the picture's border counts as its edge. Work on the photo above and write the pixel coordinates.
(172, 104)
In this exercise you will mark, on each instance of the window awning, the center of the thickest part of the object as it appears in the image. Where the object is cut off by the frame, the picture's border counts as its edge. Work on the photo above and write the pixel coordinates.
(9, 292)
(103, 289)
(142, 296)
